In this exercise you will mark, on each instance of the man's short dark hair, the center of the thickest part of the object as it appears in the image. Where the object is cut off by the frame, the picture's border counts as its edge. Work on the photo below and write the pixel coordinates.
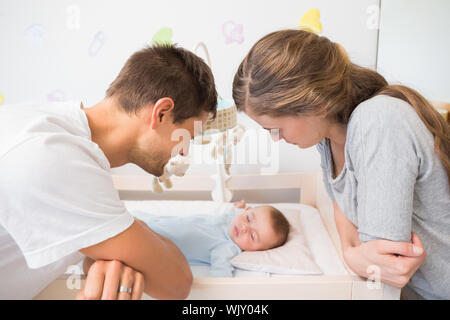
(165, 70)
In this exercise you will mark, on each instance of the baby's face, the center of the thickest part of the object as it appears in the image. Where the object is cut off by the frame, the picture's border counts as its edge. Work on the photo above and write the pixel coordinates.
(252, 230)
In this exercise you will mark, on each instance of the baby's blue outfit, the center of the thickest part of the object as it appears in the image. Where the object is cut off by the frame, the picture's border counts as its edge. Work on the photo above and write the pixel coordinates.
(203, 239)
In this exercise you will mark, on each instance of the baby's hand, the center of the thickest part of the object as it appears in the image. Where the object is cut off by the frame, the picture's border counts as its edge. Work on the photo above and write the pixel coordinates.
(239, 204)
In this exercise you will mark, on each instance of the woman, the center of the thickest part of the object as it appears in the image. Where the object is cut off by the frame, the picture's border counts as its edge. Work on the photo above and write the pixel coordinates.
(384, 154)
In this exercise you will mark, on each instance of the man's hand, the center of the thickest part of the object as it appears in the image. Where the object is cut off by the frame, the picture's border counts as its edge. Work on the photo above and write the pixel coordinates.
(397, 261)
(104, 279)
(165, 269)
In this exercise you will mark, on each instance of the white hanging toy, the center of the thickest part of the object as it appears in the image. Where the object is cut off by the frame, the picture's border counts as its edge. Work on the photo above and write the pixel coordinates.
(224, 144)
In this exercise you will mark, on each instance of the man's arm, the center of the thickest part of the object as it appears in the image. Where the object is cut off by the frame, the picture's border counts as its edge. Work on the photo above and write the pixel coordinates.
(166, 271)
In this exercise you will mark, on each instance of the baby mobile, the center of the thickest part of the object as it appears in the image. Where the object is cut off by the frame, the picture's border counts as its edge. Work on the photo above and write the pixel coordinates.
(221, 134)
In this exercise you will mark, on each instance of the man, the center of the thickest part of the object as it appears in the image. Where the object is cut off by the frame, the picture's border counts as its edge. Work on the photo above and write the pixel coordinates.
(57, 200)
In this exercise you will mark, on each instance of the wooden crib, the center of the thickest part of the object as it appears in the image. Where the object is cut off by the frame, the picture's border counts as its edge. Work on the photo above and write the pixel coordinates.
(312, 193)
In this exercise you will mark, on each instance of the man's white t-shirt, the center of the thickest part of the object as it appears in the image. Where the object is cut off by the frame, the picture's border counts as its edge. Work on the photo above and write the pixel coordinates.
(56, 195)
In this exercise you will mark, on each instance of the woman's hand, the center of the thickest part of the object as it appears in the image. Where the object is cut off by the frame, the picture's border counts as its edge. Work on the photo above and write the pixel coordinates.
(396, 261)
(104, 279)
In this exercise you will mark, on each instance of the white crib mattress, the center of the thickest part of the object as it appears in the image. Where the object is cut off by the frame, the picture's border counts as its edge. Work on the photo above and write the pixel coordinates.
(320, 244)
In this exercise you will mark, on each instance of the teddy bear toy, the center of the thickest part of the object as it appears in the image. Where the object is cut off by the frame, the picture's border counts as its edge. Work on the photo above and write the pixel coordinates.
(176, 166)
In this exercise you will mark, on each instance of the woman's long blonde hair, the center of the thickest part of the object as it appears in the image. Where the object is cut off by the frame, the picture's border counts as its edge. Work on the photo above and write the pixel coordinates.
(295, 72)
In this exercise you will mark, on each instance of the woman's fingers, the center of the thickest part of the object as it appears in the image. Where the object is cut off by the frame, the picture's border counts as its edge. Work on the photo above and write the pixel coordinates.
(396, 260)
(417, 243)
(398, 248)
(403, 259)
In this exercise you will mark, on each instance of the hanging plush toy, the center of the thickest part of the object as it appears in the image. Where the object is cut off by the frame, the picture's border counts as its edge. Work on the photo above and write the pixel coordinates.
(224, 144)
(234, 137)
(176, 166)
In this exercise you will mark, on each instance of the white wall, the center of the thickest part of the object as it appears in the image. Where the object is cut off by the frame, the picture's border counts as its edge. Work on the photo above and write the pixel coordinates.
(45, 49)
(414, 45)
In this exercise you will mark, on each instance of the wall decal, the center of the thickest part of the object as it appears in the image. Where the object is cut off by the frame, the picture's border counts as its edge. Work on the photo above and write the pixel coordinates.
(163, 35)
(97, 43)
(35, 34)
(233, 32)
(56, 95)
(310, 21)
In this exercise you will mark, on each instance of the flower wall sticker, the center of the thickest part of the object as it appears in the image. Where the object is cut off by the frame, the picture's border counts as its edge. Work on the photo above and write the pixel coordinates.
(233, 32)
(56, 96)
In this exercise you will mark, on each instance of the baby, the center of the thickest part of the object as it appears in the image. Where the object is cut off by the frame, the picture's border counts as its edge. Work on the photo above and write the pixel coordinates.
(215, 240)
